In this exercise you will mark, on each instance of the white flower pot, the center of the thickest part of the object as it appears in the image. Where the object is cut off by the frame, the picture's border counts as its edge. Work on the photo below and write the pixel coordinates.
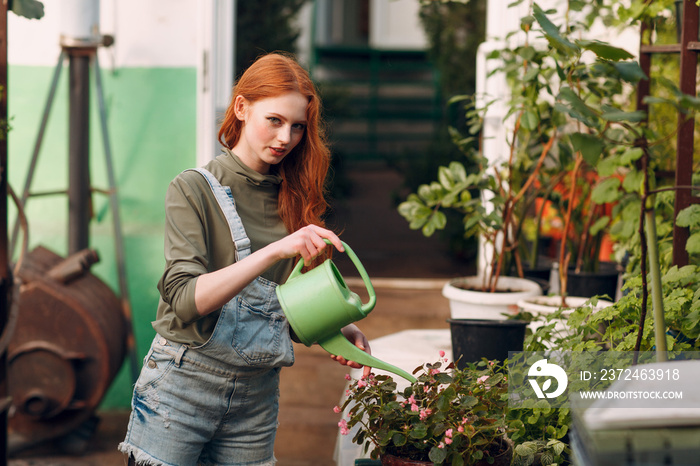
(542, 306)
(467, 303)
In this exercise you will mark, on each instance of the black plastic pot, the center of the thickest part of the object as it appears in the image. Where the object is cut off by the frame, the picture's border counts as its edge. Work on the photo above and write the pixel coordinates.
(474, 339)
(589, 284)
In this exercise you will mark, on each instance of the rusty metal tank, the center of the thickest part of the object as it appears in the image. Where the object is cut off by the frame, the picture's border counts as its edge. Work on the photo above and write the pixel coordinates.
(68, 344)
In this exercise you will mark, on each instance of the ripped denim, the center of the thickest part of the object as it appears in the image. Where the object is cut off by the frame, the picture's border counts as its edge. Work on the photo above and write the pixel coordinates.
(188, 410)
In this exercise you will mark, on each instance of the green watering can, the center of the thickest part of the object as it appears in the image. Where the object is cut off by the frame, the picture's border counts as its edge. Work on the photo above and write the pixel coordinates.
(318, 304)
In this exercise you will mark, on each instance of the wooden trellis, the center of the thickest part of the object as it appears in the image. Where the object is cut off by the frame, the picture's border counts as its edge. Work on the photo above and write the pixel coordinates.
(688, 48)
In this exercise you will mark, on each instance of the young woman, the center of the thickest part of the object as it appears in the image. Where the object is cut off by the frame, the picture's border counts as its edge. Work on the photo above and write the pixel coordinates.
(208, 390)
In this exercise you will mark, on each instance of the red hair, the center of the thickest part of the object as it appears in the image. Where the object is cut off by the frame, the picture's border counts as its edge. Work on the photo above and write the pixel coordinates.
(304, 169)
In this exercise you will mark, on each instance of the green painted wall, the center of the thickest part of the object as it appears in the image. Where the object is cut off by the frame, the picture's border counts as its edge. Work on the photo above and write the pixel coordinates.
(152, 127)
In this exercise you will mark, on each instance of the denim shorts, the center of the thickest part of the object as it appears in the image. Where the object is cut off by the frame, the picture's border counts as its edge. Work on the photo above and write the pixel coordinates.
(188, 409)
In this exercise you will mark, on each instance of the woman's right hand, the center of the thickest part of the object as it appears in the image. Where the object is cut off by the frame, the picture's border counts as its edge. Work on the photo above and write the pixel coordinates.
(214, 289)
(307, 242)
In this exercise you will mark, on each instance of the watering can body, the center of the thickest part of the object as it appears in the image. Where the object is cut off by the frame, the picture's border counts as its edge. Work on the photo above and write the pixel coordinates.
(318, 304)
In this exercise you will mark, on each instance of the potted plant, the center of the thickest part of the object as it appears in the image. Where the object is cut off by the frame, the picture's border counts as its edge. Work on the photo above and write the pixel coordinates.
(492, 201)
(448, 416)
(615, 153)
(561, 108)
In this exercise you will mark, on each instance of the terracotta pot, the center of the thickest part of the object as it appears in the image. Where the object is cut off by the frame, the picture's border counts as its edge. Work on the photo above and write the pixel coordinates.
(391, 460)
(502, 459)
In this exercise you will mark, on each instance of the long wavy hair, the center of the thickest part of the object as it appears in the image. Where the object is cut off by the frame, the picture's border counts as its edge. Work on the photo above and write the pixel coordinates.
(304, 169)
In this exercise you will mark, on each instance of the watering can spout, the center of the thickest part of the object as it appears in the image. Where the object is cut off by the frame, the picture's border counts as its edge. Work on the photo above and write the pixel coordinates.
(339, 345)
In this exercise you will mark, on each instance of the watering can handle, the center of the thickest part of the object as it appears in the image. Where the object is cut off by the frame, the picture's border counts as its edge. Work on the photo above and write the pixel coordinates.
(363, 273)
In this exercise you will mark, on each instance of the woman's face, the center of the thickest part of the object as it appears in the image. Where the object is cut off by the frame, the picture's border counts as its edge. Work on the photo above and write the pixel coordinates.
(272, 127)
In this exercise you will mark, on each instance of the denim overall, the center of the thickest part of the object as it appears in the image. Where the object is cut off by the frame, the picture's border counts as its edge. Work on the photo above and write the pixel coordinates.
(216, 403)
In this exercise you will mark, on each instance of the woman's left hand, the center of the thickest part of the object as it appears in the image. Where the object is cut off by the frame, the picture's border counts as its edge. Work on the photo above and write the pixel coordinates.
(356, 337)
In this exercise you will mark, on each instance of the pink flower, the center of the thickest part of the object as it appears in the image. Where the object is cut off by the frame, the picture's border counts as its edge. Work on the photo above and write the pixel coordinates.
(482, 379)
(343, 427)
(412, 399)
(426, 388)
(442, 354)
(336, 409)
(361, 384)
(448, 440)
(448, 432)
(347, 377)
(460, 429)
(442, 445)
(414, 407)
(424, 413)
(434, 371)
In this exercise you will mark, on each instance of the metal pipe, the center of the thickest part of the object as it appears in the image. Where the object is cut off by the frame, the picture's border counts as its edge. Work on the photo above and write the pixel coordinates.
(79, 205)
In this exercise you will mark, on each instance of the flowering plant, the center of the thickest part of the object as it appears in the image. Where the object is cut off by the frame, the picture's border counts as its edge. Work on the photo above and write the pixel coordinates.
(451, 415)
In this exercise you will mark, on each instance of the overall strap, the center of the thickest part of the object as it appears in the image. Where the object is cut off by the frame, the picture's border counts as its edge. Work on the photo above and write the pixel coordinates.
(228, 206)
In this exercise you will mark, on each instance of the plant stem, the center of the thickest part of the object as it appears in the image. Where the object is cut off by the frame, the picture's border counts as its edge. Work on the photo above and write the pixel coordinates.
(645, 286)
(656, 292)
(563, 256)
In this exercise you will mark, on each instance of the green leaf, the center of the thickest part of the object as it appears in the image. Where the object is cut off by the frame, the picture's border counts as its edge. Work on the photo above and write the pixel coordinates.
(633, 181)
(693, 244)
(551, 32)
(437, 221)
(630, 71)
(557, 446)
(437, 455)
(606, 191)
(527, 52)
(577, 108)
(459, 173)
(529, 120)
(445, 178)
(531, 74)
(599, 225)
(590, 147)
(604, 50)
(607, 166)
(689, 217)
(398, 439)
(469, 402)
(28, 8)
(632, 154)
(679, 274)
(621, 115)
